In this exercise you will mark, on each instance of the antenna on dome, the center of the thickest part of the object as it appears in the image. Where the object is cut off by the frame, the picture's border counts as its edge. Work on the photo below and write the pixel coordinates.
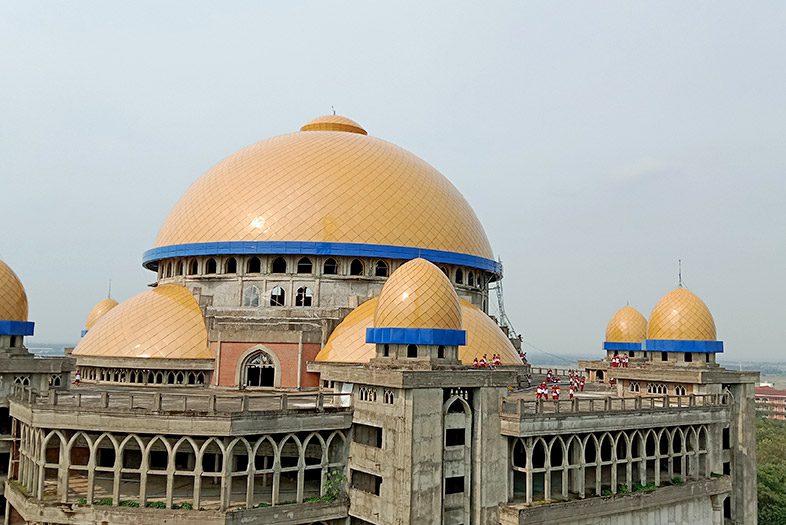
(334, 109)
(679, 272)
(109, 291)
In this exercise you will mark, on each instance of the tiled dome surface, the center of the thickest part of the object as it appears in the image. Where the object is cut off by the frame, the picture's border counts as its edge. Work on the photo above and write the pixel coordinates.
(163, 323)
(628, 325)
(418, 295)
(680, 314)
(347, 343)
(13, 299)
(326, 186)
(98, 311)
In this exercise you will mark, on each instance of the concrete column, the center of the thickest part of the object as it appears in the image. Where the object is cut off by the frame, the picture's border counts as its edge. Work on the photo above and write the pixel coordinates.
(743, 440)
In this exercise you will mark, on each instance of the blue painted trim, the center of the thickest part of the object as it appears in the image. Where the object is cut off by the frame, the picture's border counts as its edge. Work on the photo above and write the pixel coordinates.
(609, 345)
(673, 345)
(416, 336)
(16, 327)
(153, 255)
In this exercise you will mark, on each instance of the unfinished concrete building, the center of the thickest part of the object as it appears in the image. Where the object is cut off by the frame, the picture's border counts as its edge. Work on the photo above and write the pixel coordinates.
(306, 357)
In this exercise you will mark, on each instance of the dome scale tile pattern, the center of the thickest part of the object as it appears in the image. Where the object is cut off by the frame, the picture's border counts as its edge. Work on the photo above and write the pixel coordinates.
(681, 315)
(418, 295)
(347, 343)
(163, 323)
(628, 325)
(327, 187)
(98, 311)
(13, 299)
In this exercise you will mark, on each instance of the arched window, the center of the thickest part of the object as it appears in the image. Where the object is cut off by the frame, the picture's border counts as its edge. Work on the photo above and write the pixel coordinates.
(330, 267)
(254, 265)
(210, 266)
(193, 267)
(441, 352)
(471, 279)
(179, 267)
(459, 276)
(279, 265)
(381, 269)
(304, 296)
(231, 265)
(356, 267)
(412, 350)
(634, 386)
(251, 296)
(259, 371)
(169, 269)
(277, 296)
(304, 265)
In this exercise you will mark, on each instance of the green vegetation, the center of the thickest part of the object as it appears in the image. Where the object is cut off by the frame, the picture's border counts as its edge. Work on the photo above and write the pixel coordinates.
(334, 485)
(156, 505)
(263, 504)
(676, 480)
(771, 459)
(183, 506)
(81, 501)
(649, 487)
(102, 501)
(129, 503)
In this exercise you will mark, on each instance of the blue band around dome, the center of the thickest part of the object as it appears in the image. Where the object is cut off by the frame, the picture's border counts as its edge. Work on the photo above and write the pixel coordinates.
(154, 255)
(609, 345)
(416, 336)
(675, 345)
(16, 327)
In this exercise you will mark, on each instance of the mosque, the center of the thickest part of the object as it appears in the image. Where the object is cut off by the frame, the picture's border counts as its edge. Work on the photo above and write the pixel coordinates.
(306, 356)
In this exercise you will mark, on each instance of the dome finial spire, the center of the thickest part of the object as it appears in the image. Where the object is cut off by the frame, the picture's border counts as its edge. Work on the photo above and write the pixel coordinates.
(679, 272)
(334, 109)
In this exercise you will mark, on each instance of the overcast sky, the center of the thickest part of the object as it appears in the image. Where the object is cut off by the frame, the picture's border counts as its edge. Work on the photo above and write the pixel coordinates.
(598, 142)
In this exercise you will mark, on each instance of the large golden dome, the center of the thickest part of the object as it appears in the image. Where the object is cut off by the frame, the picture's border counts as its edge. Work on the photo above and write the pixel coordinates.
(418, 295)
(330, 183)
(628, 325)
(98, 311)
(13, 299)
(347, 343)
(681, 315)
(163, 323)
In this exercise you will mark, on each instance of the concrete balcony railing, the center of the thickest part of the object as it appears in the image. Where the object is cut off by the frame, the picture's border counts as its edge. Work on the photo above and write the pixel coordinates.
(521, 408)
(192, 403)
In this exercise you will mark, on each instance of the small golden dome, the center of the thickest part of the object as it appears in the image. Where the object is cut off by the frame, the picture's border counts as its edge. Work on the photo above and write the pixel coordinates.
(98, 311)
(163, 323)
(418, 295)
(680, 314)
(334, 123)
(13, 299)
(627, 326)
(346, 188)
(347, 343)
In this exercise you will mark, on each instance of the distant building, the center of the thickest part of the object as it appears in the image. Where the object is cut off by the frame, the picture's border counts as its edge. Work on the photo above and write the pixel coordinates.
(771, 402)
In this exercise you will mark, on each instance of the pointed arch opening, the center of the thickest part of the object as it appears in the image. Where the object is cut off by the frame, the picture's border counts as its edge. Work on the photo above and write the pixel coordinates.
(304, 296)
(260, 370)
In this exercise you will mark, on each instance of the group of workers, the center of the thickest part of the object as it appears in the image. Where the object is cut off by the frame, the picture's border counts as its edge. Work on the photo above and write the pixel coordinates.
(619, 361)
(575, 384)
(484, 362)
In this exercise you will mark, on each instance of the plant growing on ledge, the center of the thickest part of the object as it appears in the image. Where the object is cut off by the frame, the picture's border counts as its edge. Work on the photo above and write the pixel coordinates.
(649, 487)
(676, 480)
(155, 505)
(129, 503)
(102, 501)
(334, 485)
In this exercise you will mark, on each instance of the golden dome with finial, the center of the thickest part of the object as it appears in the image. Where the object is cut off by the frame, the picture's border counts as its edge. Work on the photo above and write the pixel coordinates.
(331, 185)
(628, 325)
(13, 299)
(418, 295)
(162, 323)
(681, 315)
(98, 311)
(347, 343)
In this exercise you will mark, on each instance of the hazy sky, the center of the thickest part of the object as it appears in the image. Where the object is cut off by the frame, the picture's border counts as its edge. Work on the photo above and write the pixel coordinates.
(598, 142)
